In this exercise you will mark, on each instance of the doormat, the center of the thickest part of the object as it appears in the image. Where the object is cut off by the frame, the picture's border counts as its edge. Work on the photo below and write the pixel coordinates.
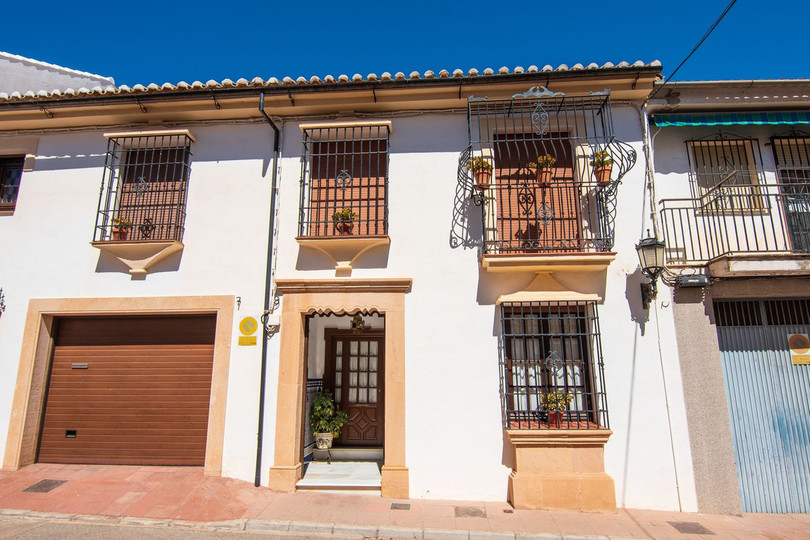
(690, 527)
(400, 506)
(470, 511)
(44, 486)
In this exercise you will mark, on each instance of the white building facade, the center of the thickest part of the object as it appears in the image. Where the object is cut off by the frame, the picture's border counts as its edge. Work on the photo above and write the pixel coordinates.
(732, 159)
(178, 280)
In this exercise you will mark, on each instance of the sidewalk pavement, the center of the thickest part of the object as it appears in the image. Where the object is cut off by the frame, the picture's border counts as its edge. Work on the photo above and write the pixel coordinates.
(183, 497)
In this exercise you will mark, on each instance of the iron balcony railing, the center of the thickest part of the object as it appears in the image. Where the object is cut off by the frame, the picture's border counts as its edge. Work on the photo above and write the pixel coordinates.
(143, 191)
(558, 214)
(545, 167)
(737, 219)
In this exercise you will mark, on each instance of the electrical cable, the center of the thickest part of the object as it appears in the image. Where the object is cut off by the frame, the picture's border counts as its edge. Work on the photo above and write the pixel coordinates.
(699, 43)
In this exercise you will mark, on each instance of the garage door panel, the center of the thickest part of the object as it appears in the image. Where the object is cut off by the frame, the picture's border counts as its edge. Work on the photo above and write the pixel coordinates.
(139, 395)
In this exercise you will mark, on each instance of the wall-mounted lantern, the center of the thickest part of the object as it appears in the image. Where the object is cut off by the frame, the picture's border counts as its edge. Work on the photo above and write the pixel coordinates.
(651, 254)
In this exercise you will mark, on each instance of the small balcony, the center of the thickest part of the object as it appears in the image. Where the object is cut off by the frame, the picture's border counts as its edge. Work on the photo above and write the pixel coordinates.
(740, 230)
(545, 167)
(343, 211)
(142, 203)
(559, 224)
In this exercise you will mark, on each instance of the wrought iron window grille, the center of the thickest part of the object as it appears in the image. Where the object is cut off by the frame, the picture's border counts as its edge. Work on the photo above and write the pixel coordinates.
(11, 169)
(344, 181)
(725, 171)
(551, 349)
(144, 188)
(554, 166)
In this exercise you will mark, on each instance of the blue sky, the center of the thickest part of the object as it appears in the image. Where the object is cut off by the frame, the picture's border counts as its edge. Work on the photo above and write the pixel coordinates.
(172, 40)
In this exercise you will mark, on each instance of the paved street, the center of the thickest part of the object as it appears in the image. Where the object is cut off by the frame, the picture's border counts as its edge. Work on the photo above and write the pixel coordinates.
(83, 501)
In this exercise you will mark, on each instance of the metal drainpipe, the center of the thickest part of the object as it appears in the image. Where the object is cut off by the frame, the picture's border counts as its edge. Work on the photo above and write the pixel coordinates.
(267, 292)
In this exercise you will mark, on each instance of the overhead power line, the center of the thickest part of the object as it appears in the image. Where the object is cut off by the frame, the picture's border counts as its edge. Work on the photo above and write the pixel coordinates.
(696, 47)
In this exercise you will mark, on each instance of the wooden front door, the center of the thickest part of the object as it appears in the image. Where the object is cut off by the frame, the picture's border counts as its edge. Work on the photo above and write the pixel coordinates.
(354, 373)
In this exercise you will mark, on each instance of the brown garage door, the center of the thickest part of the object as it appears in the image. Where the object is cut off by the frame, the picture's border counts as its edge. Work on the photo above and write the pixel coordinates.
(129, 390)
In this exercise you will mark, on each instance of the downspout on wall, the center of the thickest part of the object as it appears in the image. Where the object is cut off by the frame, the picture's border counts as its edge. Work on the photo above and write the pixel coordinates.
(268, 288)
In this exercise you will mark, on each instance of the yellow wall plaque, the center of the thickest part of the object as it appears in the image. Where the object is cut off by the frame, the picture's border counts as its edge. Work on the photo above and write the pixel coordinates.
(799, 348)
(248, 326)
(247, 340)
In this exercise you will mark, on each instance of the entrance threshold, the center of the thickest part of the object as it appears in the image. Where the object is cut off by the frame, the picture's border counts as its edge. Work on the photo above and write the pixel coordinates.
(352, 470)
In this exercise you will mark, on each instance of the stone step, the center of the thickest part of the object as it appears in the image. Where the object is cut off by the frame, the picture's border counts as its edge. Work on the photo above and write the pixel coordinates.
(350, 454)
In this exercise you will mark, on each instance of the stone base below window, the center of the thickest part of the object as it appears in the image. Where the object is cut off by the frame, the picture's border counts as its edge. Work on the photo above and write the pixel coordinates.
(560, 470)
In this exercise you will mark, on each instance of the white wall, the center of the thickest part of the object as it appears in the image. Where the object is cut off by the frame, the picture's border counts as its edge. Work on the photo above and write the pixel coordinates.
(47, 252)
(455, 442)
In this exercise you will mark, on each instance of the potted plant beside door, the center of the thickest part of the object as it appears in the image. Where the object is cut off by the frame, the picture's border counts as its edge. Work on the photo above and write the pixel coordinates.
(326, 420)
(555, 403)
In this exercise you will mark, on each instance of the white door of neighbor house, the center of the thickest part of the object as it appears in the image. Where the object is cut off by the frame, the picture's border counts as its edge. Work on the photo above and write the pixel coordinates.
(768, 393)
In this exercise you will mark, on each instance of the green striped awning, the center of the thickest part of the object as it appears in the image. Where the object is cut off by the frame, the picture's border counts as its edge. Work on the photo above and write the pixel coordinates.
(733, 119)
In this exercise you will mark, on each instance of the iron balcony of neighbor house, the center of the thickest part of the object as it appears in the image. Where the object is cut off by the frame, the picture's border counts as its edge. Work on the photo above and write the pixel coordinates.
(740, 230)
(545, 168)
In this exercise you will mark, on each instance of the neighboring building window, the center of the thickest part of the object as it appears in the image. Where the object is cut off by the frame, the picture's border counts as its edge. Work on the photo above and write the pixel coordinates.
(144, 187)
(792, 155)
(11, 169)
(344, 181)
(552, 348)
(725, 173)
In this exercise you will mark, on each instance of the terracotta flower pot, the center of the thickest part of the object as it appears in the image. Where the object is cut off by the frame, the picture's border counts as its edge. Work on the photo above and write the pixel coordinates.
(323, 441)
(544, 176)
(119, 234)
(344, 228)
(555, 418)
(602, 175)
(482, 179)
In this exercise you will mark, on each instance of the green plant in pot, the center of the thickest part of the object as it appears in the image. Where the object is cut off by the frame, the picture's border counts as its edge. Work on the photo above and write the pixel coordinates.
(482, 172)
(344, 221)
(120, 228)
(543, 169)
(602, 164)
(326, 420)
(555, 403)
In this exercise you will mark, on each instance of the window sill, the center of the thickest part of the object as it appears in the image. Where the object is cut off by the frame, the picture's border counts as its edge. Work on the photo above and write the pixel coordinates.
(343, 250)
(139, 255)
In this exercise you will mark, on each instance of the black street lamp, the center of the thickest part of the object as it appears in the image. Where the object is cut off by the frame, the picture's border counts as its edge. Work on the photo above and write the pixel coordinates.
(651, 253)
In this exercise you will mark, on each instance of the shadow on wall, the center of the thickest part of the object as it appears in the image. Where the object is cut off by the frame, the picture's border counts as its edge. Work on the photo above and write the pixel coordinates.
(312, 259)
(109, 264)
(632, 293)
(70, 162)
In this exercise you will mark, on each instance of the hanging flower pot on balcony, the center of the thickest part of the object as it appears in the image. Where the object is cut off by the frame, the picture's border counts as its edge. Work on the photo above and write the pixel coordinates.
(344, 221)
(602, 165)
(482, 172)
(120, 228)
(543, 169)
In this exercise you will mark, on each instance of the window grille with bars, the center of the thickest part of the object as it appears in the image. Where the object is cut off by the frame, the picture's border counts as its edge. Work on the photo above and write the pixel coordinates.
(545, 194)
(145, 185)
(552, 347)
(344, 169)
(792, 156)
(725, 174)
(11, 169)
